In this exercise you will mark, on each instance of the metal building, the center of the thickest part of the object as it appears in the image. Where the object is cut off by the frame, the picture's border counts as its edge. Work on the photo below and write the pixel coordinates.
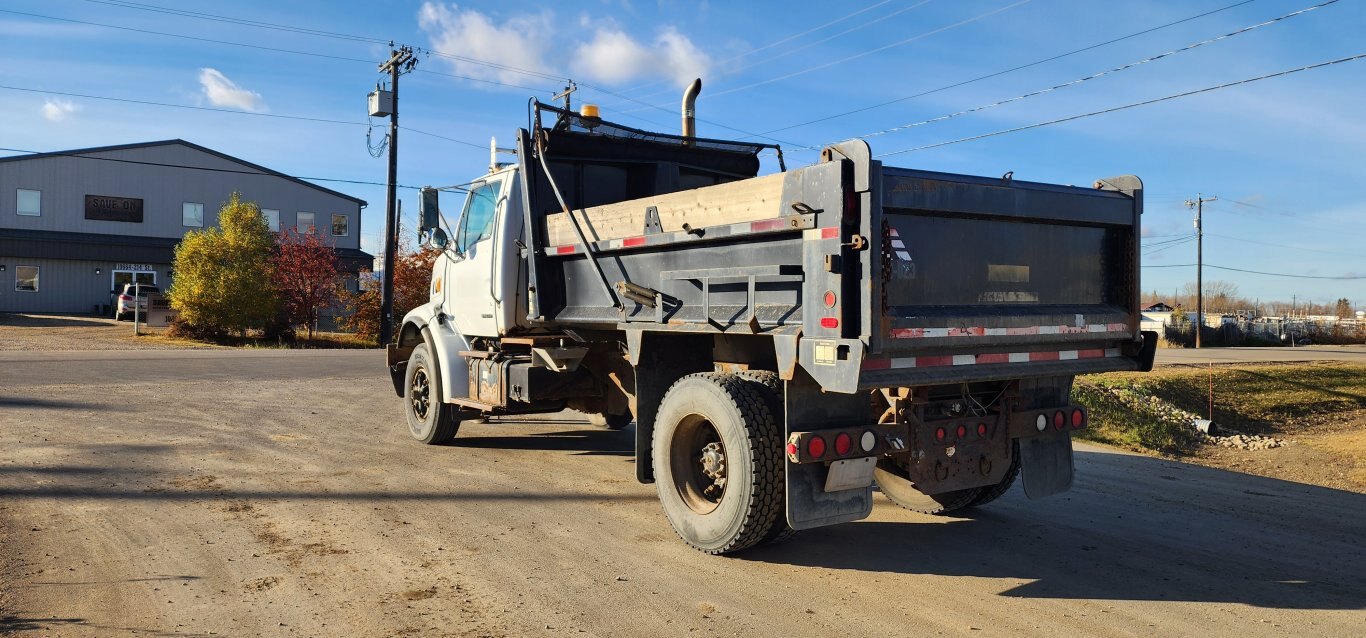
(76, 225)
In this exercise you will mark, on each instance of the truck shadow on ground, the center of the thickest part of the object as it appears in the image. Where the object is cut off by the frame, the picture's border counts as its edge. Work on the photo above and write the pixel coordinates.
(1125, 533)
(591, 442)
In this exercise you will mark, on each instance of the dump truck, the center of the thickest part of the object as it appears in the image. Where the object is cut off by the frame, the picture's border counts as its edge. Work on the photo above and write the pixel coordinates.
(783, 343)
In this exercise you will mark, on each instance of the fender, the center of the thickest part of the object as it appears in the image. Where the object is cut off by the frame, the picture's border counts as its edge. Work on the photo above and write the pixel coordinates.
(446, 344)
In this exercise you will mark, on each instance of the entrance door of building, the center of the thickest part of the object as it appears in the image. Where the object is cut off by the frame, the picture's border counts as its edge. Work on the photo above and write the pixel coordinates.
(121, 277)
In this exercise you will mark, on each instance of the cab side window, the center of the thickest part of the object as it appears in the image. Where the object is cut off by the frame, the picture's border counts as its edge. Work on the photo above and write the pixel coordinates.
(476, 223)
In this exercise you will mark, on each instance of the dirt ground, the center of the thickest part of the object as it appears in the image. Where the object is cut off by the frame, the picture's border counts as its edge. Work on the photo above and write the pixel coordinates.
(84, 332)
(1329, 452)
(284, 498)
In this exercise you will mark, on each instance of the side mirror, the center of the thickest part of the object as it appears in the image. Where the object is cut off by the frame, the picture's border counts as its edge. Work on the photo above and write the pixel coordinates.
(429, 210)
(438, 238)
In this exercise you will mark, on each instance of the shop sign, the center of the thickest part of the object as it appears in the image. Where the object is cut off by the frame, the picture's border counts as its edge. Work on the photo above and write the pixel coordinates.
(113, 209)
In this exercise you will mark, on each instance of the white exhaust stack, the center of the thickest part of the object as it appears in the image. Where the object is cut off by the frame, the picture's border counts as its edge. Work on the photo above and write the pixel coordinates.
(690, 108)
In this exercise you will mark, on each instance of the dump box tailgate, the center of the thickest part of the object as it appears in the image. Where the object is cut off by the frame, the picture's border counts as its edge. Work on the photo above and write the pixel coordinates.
(1014, 277)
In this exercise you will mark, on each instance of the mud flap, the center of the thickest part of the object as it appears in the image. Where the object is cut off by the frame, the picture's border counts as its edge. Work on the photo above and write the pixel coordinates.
(808, 504)
(1046, 464)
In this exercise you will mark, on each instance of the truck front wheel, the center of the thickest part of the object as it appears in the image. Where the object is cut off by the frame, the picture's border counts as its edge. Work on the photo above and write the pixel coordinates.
(718, 462)
(429, 420)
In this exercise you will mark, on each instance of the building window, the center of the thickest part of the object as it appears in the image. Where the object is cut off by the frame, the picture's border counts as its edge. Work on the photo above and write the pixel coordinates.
(340, 228)
(192, 214)
(304, 224)
(272, 219)
(26, 278)
(30, 203)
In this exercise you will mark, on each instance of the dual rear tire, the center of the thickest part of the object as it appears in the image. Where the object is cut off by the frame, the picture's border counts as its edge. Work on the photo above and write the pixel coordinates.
(718, 463)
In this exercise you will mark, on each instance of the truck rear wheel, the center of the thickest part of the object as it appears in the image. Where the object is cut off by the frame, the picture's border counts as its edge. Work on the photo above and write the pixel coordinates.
(718, 462)
(768, 382)
(429, 420)
(894, 482)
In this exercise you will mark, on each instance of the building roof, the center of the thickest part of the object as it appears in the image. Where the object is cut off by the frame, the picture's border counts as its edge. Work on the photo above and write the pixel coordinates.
(80, 152)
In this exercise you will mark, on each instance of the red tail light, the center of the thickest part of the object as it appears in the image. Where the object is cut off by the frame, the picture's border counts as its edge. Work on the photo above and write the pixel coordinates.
(792, 449)
(843, 443)
(962, 431)
(1059, 420)
(830, 322)
(940, 434)
(815, 447)
(1078, 418)
(981, 429)
(830, 299)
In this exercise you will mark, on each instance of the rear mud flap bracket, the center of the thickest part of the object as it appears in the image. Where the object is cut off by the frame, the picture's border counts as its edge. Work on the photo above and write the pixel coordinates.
(1046, 464)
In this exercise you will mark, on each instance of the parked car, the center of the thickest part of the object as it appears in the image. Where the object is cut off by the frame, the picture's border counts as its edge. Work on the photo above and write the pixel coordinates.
(123, 308)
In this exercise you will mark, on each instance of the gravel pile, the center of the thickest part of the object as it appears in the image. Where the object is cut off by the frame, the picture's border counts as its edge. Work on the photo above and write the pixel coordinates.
(1136, 399)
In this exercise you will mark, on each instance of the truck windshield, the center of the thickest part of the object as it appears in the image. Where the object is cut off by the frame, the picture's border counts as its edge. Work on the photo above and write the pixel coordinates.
(477, 222)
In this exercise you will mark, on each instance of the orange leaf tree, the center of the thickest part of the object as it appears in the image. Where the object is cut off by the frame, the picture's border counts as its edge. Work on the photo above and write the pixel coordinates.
(412, 280)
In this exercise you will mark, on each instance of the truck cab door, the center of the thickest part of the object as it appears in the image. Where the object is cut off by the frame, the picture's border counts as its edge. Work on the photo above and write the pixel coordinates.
(469, 296)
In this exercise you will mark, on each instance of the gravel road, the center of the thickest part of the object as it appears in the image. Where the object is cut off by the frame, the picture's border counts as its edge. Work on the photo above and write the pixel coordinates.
(221, 493)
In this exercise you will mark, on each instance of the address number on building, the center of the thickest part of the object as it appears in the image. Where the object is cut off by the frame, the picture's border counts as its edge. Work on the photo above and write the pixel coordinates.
(133, 267)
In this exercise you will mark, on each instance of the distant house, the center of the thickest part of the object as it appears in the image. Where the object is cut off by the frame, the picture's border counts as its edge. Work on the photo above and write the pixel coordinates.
(1158, 307)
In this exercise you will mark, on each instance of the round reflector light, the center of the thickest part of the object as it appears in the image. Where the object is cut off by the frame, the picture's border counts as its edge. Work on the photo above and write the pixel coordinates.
(1078, 418)
(939, 434)
(1059, 420)
(981, 429)
(830, 299)
(868, 441)
(843, 443)
(1041, 423)
(792, 449)
(815, 447)
(962, 430)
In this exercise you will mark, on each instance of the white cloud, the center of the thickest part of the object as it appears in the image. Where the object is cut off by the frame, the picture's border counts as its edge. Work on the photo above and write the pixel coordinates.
(56, 110)
(614, 57)
(531, 42)
(221, 91)
(521, 41)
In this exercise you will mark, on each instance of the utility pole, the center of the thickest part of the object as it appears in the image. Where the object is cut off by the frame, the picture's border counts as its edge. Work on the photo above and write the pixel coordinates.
(565, 95)
(400, 61)
(1199, 206)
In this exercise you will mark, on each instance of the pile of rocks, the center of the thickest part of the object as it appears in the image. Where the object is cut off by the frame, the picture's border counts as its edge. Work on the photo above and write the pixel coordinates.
(1135, 398)
(1246, 441)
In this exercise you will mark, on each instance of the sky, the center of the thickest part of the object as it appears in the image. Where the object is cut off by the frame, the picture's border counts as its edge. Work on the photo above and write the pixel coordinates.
(1282, 155)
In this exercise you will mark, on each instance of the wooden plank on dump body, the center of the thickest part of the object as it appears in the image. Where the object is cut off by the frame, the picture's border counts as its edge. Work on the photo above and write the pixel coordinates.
(730, 203)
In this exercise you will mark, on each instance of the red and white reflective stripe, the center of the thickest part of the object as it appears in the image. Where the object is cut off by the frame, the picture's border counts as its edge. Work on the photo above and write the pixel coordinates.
(898, 246)
(729, 230)
(975, 331)
(996, 357)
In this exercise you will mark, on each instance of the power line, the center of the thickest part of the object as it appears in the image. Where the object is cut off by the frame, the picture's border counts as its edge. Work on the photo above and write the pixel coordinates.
(807, 45)
(440, 54)
(1132, 105)
(869, 52)
(231, 111)
(1274, 245)
(1280, 274)
(778, 42)
(266, 48)
(183, 106)
(1010, 70)
(1082, 80)
(239, 21)
(1258, 272)
(198, 168)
